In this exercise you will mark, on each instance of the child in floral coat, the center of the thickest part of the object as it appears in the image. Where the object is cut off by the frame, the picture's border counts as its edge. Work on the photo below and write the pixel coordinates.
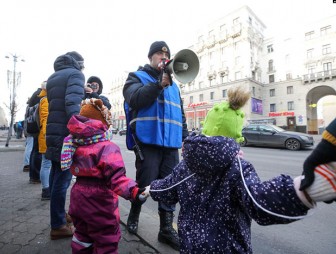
(220, 193)
(97, 162)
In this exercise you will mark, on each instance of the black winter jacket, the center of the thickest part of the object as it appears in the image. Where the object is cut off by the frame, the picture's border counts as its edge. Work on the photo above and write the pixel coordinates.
(65, 91)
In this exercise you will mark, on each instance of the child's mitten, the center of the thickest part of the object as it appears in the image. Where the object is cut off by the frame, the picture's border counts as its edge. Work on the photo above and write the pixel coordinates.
(324, 152)
(323, 187)
(141, 196)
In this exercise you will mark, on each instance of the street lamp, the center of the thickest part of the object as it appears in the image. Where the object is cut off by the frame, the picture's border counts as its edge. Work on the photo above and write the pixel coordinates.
(12, 85)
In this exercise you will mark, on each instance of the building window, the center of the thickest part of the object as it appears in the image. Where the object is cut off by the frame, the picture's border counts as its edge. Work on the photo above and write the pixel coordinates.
(310, 53)
(270, 65)
(201, 84)
(223, 28)
(237, 60)
(271, 78)
(191, 99)
(326, 49)
(288, 76)
(290, 105)
(201, 97)
(270, 48)
(327, 66)
(253, 91)
(309, 35)
(236, 21)
(272, 107)
(325, 30)
(272, 92)
(200, 39)
(250, 20)
(311, 69)
(224, 93)
(290, 90)
(212, 95)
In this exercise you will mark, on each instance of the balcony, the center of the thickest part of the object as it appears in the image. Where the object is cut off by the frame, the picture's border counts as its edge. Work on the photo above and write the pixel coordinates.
(319, 76)
(211, 74)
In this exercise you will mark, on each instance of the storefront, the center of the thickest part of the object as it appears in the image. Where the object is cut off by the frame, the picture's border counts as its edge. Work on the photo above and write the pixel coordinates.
(195, 113)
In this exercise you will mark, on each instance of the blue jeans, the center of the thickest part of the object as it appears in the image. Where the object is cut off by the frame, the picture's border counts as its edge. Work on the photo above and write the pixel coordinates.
(28, 149)
(45, 171)
(59, 182)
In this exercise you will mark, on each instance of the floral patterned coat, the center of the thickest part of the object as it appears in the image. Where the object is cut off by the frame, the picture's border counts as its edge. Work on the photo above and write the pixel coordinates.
(216, 210)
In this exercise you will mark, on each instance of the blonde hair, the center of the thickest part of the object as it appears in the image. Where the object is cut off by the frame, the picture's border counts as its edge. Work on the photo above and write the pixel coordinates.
(238, 97)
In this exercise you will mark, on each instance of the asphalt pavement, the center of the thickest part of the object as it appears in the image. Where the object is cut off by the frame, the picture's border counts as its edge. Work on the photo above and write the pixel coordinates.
(24, 218)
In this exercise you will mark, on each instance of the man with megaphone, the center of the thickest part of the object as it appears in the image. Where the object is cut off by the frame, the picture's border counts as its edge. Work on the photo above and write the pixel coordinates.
(156, 128)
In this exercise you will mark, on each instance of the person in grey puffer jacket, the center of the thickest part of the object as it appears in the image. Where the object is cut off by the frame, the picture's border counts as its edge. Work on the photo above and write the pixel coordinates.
(65, 91)
(218, 191)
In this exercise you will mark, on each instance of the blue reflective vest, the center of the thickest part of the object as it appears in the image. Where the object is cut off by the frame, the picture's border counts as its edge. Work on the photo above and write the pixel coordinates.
(160, 123)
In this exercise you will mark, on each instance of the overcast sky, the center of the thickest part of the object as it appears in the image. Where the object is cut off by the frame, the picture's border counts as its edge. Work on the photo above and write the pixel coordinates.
(114, 36)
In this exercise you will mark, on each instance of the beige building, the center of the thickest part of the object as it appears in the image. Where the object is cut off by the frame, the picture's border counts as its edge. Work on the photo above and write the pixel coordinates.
(286, 76)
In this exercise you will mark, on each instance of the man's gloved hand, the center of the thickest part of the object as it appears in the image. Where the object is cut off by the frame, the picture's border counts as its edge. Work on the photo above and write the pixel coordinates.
(325, 152)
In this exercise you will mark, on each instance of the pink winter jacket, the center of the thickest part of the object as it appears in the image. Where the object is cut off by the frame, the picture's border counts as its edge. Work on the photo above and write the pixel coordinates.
(102, 160)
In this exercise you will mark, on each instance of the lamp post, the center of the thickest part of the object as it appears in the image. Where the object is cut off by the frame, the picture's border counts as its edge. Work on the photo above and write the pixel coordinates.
(13, 83)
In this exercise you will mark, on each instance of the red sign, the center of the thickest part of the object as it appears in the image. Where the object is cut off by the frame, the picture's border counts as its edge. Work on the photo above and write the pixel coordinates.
(286, 113)
(194, 105)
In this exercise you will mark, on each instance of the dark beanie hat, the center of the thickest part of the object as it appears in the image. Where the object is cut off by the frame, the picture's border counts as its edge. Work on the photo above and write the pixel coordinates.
(158, 46)
(78, 57)
(97, 80)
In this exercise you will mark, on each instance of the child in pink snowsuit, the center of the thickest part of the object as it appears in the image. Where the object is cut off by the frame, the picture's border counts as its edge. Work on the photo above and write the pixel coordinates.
(97, 162)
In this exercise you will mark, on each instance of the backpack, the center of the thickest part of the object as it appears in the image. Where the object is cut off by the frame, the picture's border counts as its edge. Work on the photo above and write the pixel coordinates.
(33, 119)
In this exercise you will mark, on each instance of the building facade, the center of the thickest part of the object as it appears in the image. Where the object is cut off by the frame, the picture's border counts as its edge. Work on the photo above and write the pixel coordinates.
(286, 76)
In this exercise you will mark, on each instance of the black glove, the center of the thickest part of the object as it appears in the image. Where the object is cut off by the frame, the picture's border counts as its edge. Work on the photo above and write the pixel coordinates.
(324, 152)
(138, 199)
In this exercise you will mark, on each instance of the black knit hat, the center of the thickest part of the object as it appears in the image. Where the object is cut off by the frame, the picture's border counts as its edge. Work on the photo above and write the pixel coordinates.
(97, 80)
(158, 46)
(78, 57)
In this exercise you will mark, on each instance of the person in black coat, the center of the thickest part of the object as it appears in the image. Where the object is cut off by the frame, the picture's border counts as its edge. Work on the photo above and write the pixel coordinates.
(35, 157)
(65, 91)
(94, 88)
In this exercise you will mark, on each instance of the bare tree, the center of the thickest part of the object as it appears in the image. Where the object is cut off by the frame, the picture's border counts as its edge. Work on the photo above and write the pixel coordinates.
(13, 81)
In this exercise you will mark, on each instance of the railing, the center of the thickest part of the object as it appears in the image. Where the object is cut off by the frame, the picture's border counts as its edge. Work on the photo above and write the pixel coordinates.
(321, 75)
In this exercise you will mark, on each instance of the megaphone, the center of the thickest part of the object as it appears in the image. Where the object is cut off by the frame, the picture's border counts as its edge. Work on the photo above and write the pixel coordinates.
(184, 66)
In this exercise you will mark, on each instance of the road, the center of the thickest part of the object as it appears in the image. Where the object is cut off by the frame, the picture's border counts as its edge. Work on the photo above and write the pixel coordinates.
(312, 235)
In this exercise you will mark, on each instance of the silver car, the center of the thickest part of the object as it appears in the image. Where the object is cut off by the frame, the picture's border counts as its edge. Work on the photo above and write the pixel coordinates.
(274, 136)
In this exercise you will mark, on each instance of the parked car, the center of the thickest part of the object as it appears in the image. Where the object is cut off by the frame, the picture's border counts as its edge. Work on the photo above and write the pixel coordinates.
(114, 131)
(123, 131)
(274, 136)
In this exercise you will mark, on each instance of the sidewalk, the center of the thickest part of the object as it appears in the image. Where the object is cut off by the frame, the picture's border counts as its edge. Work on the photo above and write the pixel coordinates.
(24, 218)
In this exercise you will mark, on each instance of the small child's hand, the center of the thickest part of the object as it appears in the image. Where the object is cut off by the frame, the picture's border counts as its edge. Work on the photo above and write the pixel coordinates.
(143, 194)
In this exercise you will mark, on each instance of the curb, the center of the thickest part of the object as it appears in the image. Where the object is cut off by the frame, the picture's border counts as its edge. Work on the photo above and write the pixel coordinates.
(148, 227)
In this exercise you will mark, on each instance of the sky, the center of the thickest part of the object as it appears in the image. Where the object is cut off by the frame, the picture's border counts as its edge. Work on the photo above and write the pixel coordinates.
(114, 36)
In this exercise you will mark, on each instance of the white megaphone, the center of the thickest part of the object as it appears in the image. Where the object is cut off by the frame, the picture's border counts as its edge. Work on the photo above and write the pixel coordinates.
(184, 66)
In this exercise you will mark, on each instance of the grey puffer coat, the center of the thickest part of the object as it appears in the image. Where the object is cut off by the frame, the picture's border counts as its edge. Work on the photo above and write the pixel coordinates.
(216, 210)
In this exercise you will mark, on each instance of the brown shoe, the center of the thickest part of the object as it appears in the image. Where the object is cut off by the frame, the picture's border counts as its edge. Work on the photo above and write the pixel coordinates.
(62, 232)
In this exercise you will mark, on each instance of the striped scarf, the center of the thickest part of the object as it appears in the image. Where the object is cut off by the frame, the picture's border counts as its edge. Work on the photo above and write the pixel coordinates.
(70, 145)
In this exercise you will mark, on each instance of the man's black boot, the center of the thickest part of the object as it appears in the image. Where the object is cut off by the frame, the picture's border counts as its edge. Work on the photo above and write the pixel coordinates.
(167, 233)
(133, 218)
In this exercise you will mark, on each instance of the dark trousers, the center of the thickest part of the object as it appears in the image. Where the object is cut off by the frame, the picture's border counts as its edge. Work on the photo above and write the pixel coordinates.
(157, 164)
(35, 161)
